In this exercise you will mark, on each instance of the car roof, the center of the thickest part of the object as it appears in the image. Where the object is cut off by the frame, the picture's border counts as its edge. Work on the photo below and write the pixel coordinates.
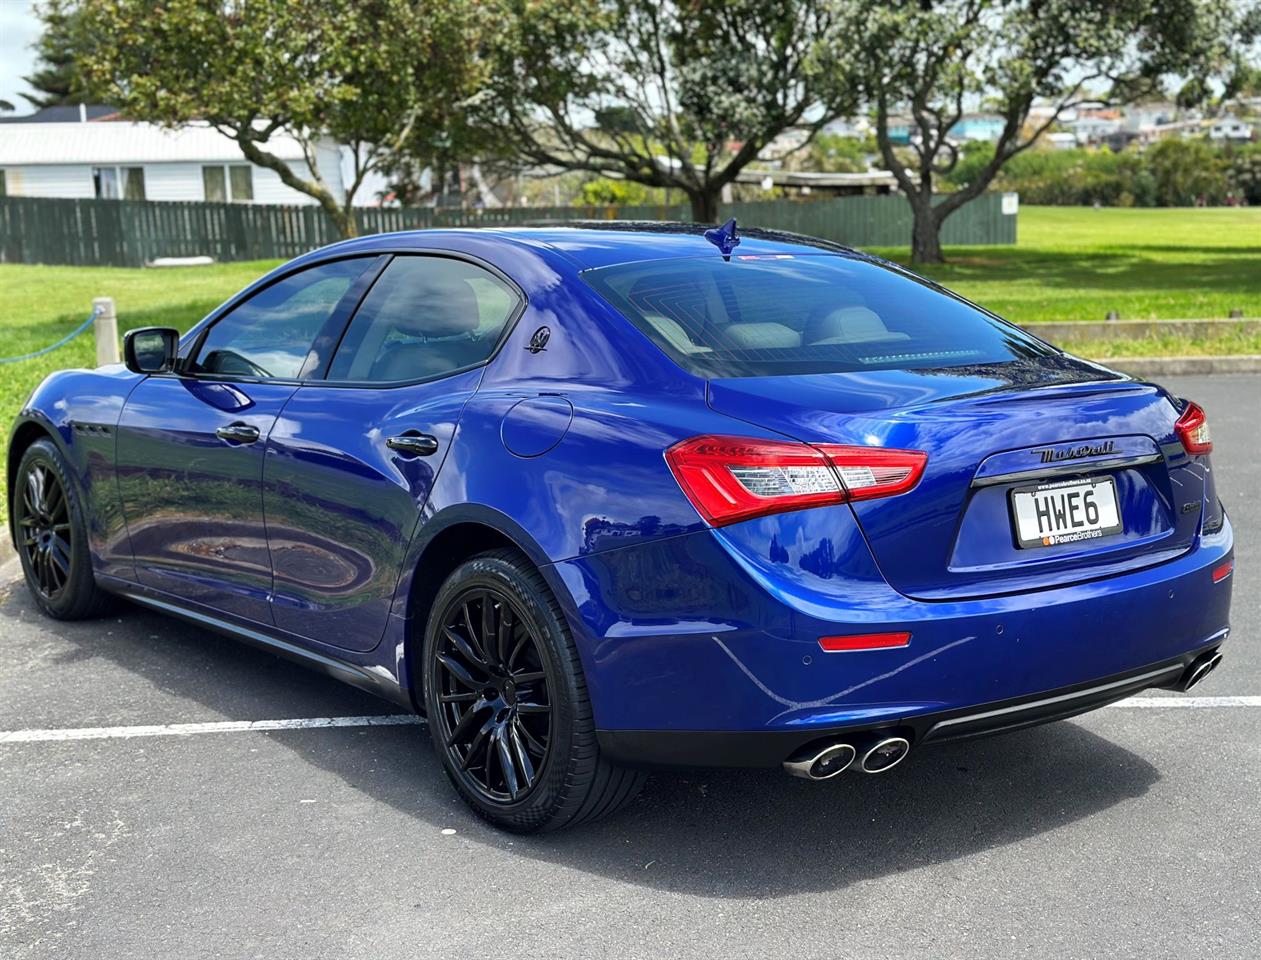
(587, 246)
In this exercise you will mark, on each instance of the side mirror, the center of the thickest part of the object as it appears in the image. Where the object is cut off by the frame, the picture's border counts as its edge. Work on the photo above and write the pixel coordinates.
(151, 349)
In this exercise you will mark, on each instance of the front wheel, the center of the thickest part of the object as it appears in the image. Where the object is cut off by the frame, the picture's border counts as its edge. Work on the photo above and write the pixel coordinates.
(507, 702)
(52, 536)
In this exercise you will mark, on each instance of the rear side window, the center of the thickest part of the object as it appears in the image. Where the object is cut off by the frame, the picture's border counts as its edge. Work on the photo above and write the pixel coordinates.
(269, 335)
(762, 316)
(424, 317)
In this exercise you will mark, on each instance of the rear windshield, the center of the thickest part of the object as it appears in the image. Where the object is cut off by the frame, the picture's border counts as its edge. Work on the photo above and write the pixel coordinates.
(761, 316)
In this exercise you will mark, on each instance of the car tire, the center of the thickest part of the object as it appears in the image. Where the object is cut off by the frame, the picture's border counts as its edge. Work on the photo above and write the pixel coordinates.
(485, 702)
(52, 536)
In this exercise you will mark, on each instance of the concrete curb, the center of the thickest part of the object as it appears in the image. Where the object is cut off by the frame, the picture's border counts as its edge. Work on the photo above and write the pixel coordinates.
(1178, 366)
(1056, 330)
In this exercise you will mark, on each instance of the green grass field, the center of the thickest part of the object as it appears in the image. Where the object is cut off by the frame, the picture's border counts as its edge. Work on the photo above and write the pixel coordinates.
(1070, 263)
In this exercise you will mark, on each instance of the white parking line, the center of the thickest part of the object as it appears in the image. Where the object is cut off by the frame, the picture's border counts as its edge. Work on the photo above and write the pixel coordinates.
(191, 729)
(405, 719)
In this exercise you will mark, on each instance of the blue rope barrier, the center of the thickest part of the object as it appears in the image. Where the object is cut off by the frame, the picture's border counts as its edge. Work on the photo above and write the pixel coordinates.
(96, 312)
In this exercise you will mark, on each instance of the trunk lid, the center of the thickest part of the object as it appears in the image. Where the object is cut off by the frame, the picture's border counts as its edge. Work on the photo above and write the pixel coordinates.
(989, 430)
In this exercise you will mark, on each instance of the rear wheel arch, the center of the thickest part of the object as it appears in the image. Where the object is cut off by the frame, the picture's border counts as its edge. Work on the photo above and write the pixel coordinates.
(439, 556)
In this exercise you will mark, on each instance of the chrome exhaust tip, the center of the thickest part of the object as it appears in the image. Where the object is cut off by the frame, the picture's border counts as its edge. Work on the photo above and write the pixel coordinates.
(1200, 669)
(823, 764)
(885, 755)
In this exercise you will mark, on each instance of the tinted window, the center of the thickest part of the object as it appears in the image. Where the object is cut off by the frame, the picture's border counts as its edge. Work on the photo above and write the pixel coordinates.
(424, 317)
(767, 316)
(270, 334)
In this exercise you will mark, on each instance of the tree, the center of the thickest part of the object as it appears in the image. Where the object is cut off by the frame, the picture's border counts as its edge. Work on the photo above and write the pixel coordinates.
(931, 60)
(57, 79)
(664, 93)
(367, 74)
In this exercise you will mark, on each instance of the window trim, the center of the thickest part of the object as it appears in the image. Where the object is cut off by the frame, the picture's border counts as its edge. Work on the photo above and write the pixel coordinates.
(317, 377)
(120, 180)
(225, 167)
(514, 316)
(339, 312)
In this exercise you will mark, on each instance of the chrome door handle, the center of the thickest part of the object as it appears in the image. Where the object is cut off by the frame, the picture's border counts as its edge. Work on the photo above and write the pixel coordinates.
(238, 433)
(414, 444)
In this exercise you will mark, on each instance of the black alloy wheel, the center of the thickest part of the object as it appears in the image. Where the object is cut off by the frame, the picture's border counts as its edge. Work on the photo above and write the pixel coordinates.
(45, 534)
(495, 713)
(507, 702)
(51, 534)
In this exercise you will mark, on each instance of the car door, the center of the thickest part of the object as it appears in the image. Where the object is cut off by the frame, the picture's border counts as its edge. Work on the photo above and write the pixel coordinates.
(351, 460)
(190, 444)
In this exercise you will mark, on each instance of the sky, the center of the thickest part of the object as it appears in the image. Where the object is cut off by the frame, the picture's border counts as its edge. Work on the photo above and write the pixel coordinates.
(19, 28)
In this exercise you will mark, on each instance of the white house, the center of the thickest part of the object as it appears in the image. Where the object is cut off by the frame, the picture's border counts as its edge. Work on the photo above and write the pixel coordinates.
(1230, 128)
(141, 161)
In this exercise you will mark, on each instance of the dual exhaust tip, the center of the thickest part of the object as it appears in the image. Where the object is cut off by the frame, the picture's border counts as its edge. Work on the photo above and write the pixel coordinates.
(878, 756)
(1200, 668)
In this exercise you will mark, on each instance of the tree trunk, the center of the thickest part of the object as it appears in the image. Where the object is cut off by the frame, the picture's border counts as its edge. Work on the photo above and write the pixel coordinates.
(925, 231)
(705, 204)
(315, 188)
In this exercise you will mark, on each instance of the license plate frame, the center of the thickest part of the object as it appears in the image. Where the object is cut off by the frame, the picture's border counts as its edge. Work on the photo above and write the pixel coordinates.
(1059, 537)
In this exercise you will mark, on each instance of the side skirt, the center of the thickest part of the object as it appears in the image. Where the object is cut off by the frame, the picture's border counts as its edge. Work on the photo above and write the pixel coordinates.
(386, 687)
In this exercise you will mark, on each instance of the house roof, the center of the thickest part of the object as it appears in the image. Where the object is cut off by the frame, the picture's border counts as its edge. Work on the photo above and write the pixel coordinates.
(71, 113)
(24, 144)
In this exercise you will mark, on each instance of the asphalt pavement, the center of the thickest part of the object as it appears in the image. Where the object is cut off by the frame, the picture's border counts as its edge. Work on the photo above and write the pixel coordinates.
(1130, 832)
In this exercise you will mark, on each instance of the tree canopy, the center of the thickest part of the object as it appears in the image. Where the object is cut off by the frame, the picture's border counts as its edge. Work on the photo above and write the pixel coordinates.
(369, 74)
(665, 93)
(928, 62)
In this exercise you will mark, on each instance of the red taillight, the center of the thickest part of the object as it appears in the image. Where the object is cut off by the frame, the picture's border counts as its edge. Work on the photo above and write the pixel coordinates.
(865, 641)
(1222, 571)
(1192, 429)
(728, 479)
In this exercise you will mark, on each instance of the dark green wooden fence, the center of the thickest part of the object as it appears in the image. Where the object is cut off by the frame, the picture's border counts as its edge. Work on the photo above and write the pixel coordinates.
(128, 233)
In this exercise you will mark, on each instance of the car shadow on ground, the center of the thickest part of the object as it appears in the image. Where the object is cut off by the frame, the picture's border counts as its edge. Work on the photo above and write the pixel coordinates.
(724, 834)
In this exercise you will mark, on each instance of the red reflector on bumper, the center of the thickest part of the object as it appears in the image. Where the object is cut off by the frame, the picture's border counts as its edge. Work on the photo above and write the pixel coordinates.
(865, 641)
(1220, 573)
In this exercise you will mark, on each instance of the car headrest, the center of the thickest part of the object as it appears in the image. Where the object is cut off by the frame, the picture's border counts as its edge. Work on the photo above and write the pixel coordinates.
(431, 307)
(846, 323)
(761, 336)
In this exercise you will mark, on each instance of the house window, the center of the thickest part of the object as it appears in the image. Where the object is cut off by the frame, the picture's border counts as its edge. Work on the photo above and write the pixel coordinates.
(115, 183)
(232, 182)
(4, 188)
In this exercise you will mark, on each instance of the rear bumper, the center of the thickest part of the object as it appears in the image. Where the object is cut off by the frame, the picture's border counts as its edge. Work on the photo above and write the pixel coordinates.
(698, 652)
(770, 748)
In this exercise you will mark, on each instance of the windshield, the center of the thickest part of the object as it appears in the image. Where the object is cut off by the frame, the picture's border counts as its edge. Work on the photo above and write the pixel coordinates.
(774, 315)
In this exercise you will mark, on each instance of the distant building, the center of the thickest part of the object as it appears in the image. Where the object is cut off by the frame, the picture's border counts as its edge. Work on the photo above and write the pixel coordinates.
(88, 152)
(1230, 128)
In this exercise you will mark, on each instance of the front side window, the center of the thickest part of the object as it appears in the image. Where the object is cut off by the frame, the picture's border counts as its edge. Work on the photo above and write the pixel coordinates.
(760, 316)
(424, 317)
(270, 334)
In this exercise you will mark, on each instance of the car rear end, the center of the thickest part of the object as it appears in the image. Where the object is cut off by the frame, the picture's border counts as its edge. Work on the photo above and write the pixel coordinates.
(923, 524)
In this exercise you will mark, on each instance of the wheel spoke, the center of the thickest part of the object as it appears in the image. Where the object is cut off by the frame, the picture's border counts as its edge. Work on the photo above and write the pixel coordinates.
(53, 499)
(466, 650)
(478, 740)
(488, 624)
(456, 669)
(530, 741)
(533, 708)
(506, 765)
(521, 756)
(466, 724)
(504, 634)
(458, 697)
(529, 677)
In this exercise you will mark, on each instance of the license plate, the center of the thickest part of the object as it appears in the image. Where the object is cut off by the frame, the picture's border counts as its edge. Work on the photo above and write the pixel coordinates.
(1065, 512)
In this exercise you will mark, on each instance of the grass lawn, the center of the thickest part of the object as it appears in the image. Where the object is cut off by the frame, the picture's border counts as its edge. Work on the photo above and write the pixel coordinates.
(1070, 263)
(1076, 263)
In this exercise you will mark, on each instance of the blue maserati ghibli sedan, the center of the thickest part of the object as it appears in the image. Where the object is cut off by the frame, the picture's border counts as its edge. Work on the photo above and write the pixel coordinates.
(600, 500)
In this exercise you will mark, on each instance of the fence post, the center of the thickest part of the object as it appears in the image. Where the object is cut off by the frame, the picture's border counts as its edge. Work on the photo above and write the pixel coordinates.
(106, 328)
